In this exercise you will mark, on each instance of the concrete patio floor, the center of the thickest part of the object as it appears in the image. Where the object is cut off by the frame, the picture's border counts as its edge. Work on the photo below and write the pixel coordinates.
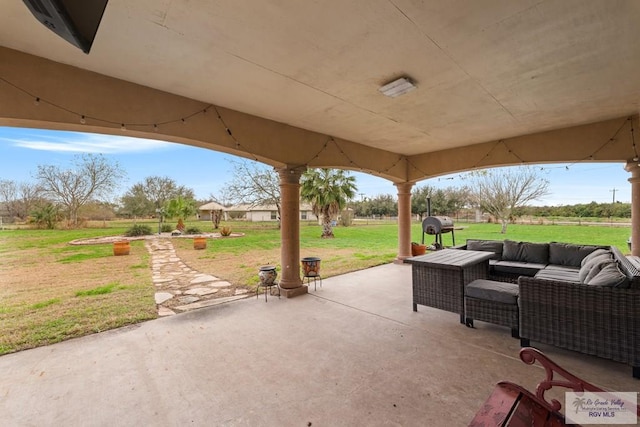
(352, 353)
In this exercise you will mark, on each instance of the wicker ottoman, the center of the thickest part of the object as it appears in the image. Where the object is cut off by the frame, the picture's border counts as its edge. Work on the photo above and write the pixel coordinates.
(493, 302)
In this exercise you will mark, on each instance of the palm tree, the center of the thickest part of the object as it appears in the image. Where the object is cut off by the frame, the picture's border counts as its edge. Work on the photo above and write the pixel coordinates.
(181, 208)
(328, 191)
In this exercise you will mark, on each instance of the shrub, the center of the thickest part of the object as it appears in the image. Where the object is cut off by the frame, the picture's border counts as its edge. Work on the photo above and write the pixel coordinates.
(166, 228)
(45, 216)
(138, 230)
(192, 230)
(225, 231)
(346, 218)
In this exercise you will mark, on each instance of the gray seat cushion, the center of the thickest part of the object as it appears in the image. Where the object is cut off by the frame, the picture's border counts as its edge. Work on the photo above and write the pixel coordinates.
(521, 268)
(490, 290)
(561, 267)
(560, 274)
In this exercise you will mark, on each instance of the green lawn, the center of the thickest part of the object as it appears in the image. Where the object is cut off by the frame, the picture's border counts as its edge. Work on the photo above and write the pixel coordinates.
(52, 291)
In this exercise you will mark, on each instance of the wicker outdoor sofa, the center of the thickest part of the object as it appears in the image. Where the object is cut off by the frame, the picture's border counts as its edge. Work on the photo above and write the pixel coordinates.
(557, 305)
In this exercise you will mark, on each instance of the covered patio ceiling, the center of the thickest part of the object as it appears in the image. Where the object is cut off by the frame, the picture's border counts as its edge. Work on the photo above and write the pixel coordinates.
(497, 82)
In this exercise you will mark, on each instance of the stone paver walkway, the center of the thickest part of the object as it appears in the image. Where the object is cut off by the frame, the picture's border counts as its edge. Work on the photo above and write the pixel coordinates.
(180, 288)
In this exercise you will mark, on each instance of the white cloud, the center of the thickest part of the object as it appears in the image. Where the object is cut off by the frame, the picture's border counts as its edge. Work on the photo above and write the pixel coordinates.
(72, 142)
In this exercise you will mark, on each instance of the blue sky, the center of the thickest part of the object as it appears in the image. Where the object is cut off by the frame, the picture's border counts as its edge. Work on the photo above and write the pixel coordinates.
(206, 171)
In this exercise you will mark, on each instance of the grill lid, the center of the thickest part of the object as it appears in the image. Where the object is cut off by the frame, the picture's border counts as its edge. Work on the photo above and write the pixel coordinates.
(437, 224)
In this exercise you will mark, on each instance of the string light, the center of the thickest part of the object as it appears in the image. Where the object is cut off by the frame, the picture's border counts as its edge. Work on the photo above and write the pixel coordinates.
(38, 100)
(233, 138)
(477, 164)
(610, 140)
(183, 120)
(633, 142)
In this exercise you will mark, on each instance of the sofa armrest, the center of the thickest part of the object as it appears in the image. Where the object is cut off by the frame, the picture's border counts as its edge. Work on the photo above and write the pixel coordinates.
(464, 247)
(601, 321)
(629, 267)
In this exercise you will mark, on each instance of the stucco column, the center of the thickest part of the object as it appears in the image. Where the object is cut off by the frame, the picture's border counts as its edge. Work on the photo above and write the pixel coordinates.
(634, 169)
(290, 282)
(404, 221)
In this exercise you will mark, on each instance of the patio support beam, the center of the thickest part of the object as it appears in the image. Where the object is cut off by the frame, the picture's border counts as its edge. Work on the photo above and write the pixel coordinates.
(634, 169)
(290, 282)
(404, 220)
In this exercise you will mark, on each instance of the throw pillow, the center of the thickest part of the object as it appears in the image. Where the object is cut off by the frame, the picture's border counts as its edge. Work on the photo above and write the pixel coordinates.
(592, 262)
(597, 267)
(609, 275)
(594, 254)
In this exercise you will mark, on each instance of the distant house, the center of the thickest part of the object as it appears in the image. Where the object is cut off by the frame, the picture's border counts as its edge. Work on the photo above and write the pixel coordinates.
(259, 213)
(205, 211)
(246, 212)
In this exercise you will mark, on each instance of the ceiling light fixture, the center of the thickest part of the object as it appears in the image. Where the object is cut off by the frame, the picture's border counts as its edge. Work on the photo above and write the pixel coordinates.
(398, 87)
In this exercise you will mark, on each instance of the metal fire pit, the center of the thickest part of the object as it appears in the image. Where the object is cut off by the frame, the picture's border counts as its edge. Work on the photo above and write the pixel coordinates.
(437, 226)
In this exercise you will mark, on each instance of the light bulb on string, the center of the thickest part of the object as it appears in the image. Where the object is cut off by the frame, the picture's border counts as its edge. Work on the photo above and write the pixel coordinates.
(36, 102)
(83, 120)
(155, 128)
(123, 127)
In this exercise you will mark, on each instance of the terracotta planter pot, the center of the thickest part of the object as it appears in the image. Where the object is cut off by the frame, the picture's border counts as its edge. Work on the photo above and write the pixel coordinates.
(417, 249)
(199, 243)
(310, 266)
(121, 248)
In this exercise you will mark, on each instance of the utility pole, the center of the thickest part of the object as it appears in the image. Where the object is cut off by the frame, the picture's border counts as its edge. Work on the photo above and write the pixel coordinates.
(614, 194)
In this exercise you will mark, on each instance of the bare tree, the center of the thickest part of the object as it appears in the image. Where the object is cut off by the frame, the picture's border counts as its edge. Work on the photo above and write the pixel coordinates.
(92, 178)
(254, 184)
(18, 198)
(499, 191)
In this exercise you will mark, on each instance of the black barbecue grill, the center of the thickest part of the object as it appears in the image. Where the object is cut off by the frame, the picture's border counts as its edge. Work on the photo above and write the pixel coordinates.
(437, 226)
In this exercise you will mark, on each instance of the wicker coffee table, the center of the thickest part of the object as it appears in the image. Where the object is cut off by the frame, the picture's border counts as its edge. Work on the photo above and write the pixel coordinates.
(439, 278)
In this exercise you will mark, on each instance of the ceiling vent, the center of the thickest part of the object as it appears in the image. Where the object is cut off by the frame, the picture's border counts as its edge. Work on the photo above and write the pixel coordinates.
(398, 87)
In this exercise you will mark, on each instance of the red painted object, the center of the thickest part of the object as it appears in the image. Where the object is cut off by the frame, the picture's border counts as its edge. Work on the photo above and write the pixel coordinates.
(511, 405)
